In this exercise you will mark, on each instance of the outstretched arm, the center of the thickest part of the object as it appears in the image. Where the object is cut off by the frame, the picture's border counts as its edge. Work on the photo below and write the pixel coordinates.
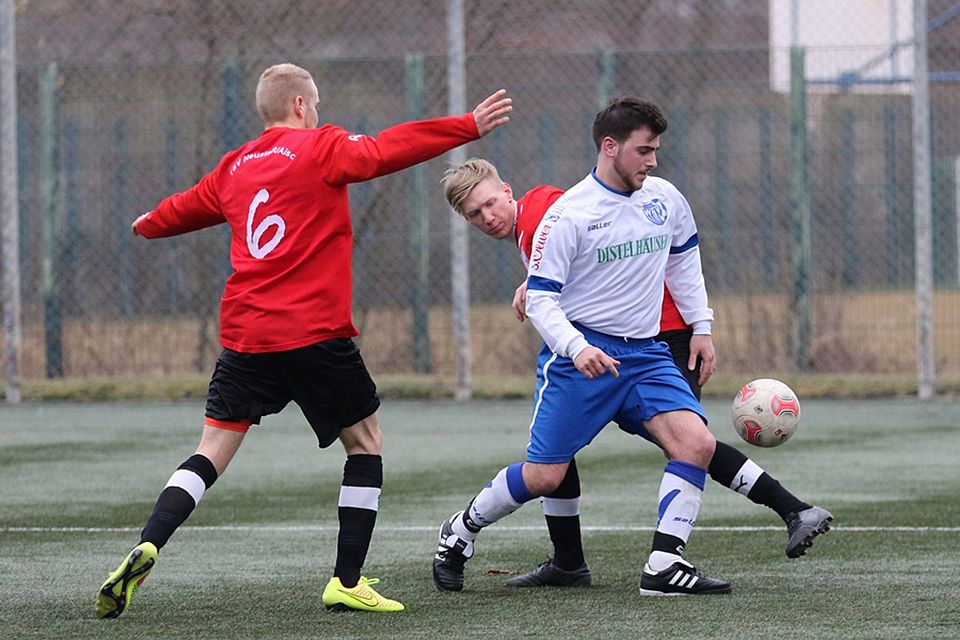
(196, 208)
(350, 157)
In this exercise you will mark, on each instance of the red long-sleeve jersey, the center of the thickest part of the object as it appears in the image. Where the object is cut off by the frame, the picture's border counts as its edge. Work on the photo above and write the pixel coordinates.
(530, 210)
(284, 196)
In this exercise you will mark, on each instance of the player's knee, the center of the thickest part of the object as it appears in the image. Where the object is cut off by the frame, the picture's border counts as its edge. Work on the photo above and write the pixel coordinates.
(544, 480)
(690, 441)
(363, 437)
(699, 447)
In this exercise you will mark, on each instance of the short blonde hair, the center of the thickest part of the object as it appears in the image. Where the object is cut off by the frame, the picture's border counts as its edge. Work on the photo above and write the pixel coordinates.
(279, 85)
(458, 181)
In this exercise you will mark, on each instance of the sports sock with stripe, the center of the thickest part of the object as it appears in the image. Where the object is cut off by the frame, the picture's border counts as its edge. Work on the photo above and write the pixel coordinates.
(502, 496)
(739, 473)
(562, 512)
(681, 491)
(357, 512)
(179, 498)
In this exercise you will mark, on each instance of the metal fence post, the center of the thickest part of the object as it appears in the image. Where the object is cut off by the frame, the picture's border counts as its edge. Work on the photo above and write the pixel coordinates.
(419, 226)
(9, 206)
(729, 273)
(765, 192)
(848, 181)
(50, 190)
(606, 83)
(890, 200)
(956, 212)
(459, 243)
(922, 216)
(800, 213)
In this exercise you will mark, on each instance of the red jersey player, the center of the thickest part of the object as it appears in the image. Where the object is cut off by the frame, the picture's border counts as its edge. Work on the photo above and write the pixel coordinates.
(475, 190)
(285, 317)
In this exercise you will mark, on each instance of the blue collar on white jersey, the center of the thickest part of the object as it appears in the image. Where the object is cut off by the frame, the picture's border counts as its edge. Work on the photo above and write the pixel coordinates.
(626, 194)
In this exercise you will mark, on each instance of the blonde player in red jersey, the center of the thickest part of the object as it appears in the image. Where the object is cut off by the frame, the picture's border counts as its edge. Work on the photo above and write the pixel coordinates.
(475, 190)
(285, 315)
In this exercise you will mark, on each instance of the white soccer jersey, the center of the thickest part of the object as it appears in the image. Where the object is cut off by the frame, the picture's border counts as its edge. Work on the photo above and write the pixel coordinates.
(600, 258)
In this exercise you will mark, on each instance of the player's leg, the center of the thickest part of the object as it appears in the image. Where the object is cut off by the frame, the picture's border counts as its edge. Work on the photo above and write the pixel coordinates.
(569, 410)
(511, 488)
(689, 445)
(735, 471)
(223, 432)
(330, 383)
(567, 567)
(357, 514)
(672, 416)
(177, 501)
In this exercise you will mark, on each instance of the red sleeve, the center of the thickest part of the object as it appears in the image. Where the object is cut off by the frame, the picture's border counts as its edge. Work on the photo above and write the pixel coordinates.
(354, 158)
(196, 208)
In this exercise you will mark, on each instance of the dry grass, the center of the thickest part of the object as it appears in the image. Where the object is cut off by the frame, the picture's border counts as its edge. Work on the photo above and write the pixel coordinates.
(859, 341)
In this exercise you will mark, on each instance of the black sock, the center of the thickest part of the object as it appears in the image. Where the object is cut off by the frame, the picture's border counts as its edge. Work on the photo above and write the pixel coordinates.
(357, 511)
(727, 462)
(565, 530)
(176, 502)
(768, 491)
(667, 543)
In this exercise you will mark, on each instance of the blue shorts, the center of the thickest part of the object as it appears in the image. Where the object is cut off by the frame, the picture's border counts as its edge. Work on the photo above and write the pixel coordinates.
(569, 409)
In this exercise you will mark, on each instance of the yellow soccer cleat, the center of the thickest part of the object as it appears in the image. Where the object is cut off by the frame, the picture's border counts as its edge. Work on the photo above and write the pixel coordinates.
(359, 598)
(116, 593)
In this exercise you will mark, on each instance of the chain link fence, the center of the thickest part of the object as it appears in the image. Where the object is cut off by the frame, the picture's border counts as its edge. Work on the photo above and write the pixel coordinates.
(121, 104)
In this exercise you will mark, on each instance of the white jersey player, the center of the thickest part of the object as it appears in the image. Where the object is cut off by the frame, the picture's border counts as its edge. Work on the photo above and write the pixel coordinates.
(598, 265)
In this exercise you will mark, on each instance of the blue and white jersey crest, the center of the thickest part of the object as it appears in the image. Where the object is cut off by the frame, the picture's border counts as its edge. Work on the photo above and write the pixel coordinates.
(655, 211)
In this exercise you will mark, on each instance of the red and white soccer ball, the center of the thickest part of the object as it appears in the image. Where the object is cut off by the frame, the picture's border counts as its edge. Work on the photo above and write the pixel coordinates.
(766, 412)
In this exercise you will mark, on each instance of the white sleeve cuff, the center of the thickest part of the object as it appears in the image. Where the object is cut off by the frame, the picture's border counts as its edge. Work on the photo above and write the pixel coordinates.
(577, 345)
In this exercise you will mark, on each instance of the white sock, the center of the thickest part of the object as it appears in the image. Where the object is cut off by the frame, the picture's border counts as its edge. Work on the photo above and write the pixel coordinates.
(681, 491)
(498, 499)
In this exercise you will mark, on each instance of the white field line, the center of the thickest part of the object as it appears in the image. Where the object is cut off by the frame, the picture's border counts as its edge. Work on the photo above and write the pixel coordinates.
(504, 529)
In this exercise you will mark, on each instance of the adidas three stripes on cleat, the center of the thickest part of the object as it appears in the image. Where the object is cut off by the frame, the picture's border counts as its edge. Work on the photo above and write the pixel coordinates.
(679, 579)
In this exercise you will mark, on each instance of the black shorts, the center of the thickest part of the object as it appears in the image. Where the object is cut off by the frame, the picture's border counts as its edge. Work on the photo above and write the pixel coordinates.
(328, 380)
(679, 342)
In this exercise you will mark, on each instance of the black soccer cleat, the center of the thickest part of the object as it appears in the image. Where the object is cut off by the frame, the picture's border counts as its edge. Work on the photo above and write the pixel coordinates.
(803, 527)
(550, 575)
(680, 579)
(452, 553)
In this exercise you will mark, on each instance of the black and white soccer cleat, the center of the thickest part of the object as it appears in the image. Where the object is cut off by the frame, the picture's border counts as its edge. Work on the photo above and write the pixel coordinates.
(452, 553)
(680, 579)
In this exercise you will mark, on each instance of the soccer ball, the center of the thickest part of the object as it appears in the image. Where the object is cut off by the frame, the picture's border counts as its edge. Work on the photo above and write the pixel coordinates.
(765, 412)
